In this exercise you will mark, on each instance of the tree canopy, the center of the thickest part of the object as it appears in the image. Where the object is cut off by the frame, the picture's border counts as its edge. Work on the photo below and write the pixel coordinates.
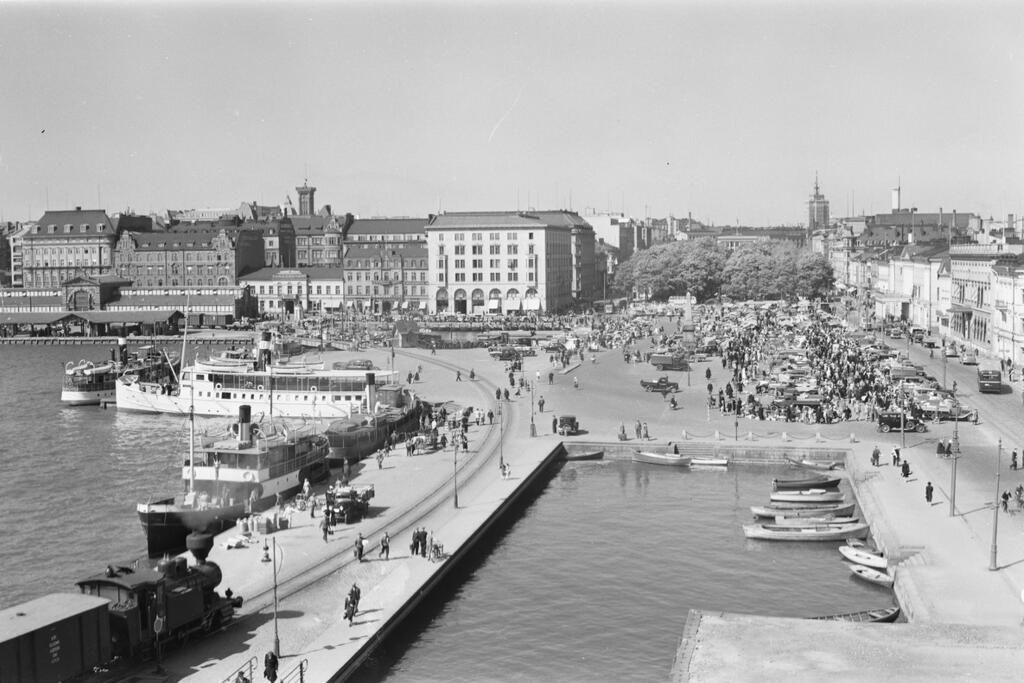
(703, 268)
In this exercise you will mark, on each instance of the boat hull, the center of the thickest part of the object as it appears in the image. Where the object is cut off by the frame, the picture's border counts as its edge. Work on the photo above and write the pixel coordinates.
(872, 575)
(709, 462)
(585, 455)
(87, 398)
(807, 496)
(670, 459)
(799, 510)
(771, 532)
(872, 616)
(861, 556)
(814, 521)
(802, 484)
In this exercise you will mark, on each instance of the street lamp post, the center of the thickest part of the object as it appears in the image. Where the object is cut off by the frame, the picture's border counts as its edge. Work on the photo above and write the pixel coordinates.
(277, 640)
(455, 469)
(956, 455)
(992, 564)
(533, 427)
(501, 439)
(903, 420)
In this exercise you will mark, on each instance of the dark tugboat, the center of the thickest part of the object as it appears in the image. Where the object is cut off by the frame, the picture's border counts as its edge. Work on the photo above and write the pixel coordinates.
(234, 475)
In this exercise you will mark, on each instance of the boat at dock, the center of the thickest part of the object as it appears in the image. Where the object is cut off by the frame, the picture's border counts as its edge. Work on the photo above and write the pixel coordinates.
(671, 459)
(817, 482)
(816, 465)
(886, 615)
(231, 475)
(584, 455)
(814, 521)
(282, 390)
(774, 532)
(709, 462)
(871, 575)
(860, 555)
(87, 383)
(807, 496)
(354, 438)
(801, 510)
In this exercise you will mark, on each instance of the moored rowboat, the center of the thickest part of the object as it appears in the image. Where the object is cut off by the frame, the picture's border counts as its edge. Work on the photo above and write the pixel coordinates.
(584, 455)
(814, 521)
(774, 532)
(709, 462)
(807, 496)
(875, 616)
(673, 459)
(801, 510)
(862, 556)
(872, 575)
(807, 483)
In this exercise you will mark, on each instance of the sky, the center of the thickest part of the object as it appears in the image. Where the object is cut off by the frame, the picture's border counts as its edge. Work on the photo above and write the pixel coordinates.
(723, 109)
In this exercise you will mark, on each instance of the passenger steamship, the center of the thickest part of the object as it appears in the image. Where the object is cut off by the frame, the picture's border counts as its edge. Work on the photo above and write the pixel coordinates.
(219, 388)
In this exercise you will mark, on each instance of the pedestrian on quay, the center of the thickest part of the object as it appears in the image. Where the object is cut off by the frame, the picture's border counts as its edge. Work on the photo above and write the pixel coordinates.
(540, 404)
(414, 546)
(928, 492)
(325, 527)
(896, 456)
(876, 455)
(497, 394)
(575, 382)
(646, 435)
(358, 550)
(551, 378)
(385, 547)
(949, 448)
(554, 425)
(905, 469)
(638, 428)
(458, 375)
(490, 417)
(1006, 501)
(1013, 459)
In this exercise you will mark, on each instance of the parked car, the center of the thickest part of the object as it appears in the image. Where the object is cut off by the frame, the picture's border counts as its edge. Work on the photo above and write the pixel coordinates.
(888, 422)
(950, 351)
(969, 358)
(930, 342)
(360, 364)
(568, 425)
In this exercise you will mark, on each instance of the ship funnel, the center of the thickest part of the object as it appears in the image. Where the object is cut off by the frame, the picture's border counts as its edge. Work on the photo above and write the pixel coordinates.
(263, 351)
(244, 416)
(371, 390)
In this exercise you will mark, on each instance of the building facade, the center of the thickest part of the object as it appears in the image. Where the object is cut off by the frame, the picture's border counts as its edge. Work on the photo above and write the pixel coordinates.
(817, 210)
(64, 244)
(506, 262)
(189, 257)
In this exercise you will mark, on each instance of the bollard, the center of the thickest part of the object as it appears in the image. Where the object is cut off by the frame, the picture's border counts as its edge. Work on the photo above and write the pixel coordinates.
(685, 437)
(785, 436)
(853, 439)
(817, 437)
(750, 436)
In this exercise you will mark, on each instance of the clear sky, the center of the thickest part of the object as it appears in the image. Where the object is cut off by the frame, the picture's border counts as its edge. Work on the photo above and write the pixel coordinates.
(724, 109)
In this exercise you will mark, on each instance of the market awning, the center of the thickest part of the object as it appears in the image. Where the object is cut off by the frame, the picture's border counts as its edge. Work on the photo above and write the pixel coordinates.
(493, 304)
(127, 316)
(531, 304)
(33, 318)
(960, 308)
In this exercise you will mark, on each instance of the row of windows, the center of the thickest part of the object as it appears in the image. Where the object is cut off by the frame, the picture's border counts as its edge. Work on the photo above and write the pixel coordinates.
(386, 263)
(478, 249)
(494, 277)
(479, 236)
(326, 290)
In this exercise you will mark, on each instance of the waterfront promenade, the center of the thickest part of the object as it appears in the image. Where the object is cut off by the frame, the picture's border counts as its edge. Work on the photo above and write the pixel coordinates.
(943, 580)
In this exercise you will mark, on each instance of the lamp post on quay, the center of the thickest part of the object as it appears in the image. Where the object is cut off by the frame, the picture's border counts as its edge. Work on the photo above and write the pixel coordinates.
(501, 439)
(533, 426)
(455, 468)
(992, 564)
(956, 455)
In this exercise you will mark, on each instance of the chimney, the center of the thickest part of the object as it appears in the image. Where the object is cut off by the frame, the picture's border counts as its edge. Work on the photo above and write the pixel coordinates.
(263, 348)
(244, 415)
(371, 391)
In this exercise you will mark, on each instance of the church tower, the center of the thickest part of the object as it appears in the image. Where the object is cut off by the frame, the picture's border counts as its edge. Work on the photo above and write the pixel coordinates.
(306, 203)
(817, 210)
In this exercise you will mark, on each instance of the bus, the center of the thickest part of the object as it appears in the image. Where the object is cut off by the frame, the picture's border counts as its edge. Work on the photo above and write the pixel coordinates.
(990, 380)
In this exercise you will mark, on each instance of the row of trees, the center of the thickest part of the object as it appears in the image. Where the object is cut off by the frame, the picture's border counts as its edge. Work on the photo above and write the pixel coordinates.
(703, 268)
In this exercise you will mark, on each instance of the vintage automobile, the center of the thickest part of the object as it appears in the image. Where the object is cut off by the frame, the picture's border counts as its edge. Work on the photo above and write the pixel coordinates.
(669, 361)
(661, 385)
(969, 358)
(568, 425)
(888, 422)
(504, 353)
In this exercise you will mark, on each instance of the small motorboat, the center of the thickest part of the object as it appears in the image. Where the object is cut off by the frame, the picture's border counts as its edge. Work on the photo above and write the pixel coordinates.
(672, 459)
(873, 616)
(863, 556)
(775, 532)
(584, 455)
(798, 510)
(807, 496)
(814, 521)
(817, 482)
(872, 575)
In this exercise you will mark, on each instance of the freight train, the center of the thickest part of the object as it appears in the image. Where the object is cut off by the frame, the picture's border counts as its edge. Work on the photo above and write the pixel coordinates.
(122, 615)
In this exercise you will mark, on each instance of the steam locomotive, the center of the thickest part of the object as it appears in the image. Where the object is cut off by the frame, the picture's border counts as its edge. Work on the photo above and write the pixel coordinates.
(121, 615)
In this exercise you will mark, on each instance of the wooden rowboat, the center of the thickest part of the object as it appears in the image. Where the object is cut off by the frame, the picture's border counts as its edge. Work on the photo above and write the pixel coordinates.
(813, 521)
(584, 455)
(807, 483)
(815, 465)
(798, 510)
(774, 532)
(709, 462)
(874, 616)
(872, 575)
(672, 459)
(863, 556)
(807, 496)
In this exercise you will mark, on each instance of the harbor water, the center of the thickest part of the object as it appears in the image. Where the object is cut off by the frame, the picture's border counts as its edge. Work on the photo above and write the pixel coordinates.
(591, 581)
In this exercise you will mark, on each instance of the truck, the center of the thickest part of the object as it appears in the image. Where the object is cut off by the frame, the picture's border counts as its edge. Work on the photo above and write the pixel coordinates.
(662, 385)
(670, 361)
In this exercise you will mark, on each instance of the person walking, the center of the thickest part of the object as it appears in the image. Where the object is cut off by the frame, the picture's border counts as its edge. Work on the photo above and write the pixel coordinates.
(876, 456)
(551, 378)
(575, 382)
(540, 404)
(646, 435)
(490, 417)
(928, 492)
(1013, 459)
(458, 375)
(385, 546)
(905, 469)
(554, 425)
(358, 549)
(325, 527)
(940, 448)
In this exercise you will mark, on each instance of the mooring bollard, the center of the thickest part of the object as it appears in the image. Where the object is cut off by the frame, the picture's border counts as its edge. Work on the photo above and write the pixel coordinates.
(750, 436)
(785, 436)
(685, 437)
(817, 437)
(853, 439)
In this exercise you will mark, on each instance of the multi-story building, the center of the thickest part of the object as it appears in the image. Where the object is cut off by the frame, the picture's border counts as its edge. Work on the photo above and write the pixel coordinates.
(972, 280)
(1008, 316)
(16, 240)
(385, 277)
(616, 230)
(63, 244)
(817, 210)
(188, 257)
(507, 261)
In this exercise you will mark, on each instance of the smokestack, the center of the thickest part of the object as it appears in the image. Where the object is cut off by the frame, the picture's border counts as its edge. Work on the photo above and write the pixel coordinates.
(371, 391)
(263, 352)
(1011, 230)
(244, 415)
(896, 200)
